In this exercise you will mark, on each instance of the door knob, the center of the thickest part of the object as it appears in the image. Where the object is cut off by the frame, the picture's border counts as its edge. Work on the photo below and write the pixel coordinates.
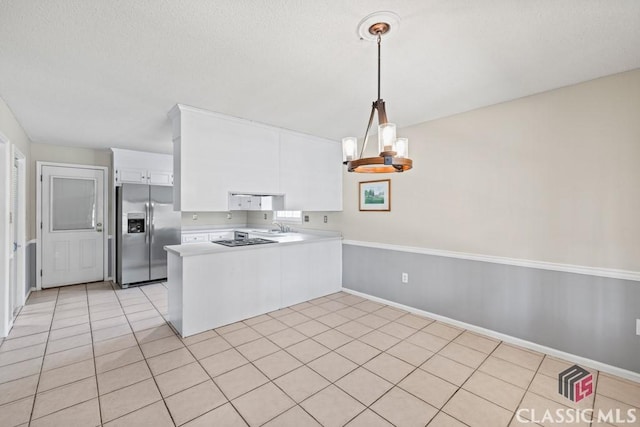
(99, 227)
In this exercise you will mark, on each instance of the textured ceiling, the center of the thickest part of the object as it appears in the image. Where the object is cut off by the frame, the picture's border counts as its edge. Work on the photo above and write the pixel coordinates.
(104, 73)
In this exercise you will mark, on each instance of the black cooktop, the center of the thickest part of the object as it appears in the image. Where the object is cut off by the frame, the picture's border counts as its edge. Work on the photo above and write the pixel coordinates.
(245, 242)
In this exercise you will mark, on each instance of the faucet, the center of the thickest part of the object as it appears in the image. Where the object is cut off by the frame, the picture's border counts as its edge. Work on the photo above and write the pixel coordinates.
(283, 228)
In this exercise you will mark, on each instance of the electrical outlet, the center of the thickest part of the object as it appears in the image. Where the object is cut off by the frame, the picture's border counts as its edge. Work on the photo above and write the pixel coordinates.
(405, 277)
(306, 218)
(229, 215)
(265, 216)
(637, 326)
(326, 219)
(194, 217)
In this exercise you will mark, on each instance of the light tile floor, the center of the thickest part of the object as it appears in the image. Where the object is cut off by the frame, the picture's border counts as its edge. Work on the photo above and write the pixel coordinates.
(92, 355)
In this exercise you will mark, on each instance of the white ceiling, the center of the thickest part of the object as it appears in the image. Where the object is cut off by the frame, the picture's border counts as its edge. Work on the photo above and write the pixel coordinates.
(104, 73)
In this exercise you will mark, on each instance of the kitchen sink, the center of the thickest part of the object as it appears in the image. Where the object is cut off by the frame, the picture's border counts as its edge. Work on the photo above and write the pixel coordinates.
(273, 232)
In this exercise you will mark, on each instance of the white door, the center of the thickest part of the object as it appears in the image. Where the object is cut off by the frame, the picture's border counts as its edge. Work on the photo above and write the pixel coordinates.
(72, 216)
(13, 252)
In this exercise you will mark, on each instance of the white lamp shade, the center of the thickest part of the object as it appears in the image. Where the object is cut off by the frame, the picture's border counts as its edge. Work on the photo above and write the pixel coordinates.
(386, 136)
(349, 148)
(402, 147)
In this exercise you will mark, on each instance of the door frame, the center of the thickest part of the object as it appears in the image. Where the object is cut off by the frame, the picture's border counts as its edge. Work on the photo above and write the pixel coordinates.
(6, 320)
(105, 215)
(20, 216)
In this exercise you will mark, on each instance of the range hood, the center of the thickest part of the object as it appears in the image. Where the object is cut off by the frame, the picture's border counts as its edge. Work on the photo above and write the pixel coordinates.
(255, 202)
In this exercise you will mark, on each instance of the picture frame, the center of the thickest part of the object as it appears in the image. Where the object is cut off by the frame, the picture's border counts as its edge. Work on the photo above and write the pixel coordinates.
(375, 196)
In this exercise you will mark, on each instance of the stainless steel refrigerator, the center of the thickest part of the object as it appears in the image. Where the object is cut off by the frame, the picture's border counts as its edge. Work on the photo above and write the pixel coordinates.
(146, 222)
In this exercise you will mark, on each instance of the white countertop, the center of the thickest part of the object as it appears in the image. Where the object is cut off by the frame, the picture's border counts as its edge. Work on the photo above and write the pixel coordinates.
(193, 249)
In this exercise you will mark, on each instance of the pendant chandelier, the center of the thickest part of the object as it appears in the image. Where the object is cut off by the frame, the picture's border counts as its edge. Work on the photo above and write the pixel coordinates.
(394, 152)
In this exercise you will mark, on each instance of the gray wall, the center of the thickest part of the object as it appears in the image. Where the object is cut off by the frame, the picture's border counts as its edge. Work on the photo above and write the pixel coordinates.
(30, 265)
(588, 316)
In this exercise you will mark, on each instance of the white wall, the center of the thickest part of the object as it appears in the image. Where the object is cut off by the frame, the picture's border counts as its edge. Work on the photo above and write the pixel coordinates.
(11, 129)
(551, 177)
(4, 235)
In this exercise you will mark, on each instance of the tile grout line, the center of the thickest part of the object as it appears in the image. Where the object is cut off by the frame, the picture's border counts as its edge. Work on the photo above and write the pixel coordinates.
(403, 378)
(527, 391)
(35, 394)
(93, 352)
(213, 380)
(144, 358)
(330, 383)
(64, 385)
(441, 409)
(595, 393)
(361, 365)
(251, 363)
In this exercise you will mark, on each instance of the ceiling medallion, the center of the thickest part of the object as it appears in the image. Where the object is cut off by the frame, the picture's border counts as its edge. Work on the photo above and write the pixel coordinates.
(394, 152)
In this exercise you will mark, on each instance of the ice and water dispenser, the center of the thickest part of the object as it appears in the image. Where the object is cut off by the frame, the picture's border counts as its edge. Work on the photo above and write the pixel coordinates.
(135, 222)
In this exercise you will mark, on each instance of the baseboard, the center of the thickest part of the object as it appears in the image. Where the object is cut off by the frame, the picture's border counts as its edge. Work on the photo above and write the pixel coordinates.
(609, 369)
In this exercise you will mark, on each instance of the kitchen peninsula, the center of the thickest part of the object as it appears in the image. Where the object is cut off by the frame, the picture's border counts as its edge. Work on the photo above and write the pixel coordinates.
(212, 285)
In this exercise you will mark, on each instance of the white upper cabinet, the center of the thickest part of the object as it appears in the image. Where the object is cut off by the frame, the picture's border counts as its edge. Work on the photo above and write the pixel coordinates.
(215, 155)
(139, 167)
(160, 177)
(218, 155)
(310, 172)
(136, 176)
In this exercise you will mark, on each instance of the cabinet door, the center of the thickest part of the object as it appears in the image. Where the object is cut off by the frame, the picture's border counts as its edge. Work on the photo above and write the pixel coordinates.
(221, 235)
(195, 238)
(220, 155)
(160, 177)
(236, 203)
(134, 176)
(255, 203)
(310, 173)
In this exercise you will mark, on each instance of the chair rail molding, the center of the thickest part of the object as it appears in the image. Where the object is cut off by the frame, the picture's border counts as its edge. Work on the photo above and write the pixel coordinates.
(542, 265)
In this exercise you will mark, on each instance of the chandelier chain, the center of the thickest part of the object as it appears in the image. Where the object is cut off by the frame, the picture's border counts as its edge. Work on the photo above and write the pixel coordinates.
(379, 43)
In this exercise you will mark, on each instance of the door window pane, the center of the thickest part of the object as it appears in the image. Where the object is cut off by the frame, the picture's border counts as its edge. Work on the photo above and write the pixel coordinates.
(73, 204)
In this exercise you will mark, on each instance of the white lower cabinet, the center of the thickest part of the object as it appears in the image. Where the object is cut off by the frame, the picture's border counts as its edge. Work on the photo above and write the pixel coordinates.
(207, 291)
(211, 290)
(310, 270)
(221, 235)
(207, 236)
(195, 238)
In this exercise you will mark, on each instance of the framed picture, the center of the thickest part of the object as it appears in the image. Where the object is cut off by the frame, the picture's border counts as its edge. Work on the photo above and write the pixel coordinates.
(375, 195)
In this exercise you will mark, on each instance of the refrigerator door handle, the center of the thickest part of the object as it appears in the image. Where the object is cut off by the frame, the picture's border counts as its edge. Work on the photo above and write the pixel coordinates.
(152, 226)
(146, 216)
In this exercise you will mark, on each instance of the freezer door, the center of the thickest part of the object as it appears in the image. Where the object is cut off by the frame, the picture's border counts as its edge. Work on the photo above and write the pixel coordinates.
(164, 228)
(134, 218)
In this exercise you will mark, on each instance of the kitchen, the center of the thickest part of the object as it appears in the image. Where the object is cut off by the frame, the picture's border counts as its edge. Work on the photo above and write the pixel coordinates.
(507, 252)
